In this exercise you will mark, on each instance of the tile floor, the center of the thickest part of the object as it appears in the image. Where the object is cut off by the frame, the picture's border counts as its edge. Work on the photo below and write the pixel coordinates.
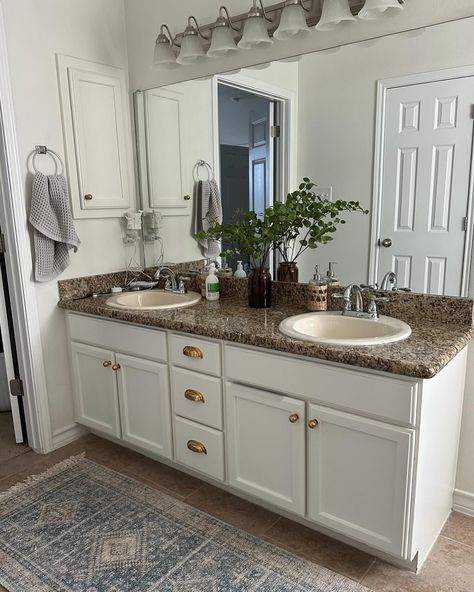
(450, 568)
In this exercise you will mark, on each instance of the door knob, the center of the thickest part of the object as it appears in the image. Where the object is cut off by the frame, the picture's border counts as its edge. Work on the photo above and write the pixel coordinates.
(386, 242)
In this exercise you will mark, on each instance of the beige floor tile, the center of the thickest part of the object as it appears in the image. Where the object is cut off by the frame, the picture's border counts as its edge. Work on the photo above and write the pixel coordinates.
(320, 549)
(449, 568)
(232, 509)
(460, 528)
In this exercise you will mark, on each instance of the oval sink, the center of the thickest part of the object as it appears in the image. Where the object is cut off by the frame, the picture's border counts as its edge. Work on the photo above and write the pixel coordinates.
(335, 329)
(153, 300)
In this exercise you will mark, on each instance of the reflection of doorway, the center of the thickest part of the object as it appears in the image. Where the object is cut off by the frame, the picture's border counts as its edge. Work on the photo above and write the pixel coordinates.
(424, 195)
(249, 127)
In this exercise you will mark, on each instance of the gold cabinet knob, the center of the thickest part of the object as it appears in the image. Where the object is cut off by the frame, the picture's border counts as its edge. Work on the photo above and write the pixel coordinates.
(116, 367)
(313, 423)
(195, 396)
(192, 352)
(196, 446)
(107, 363)
(88, 196)
(294, 418)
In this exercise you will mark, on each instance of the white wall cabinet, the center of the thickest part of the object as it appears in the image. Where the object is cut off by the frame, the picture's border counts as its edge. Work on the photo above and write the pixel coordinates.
(97, 132)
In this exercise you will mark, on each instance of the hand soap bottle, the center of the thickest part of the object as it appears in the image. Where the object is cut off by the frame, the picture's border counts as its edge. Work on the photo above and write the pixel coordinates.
(331, 279)
(240, 272)
(317, 292)
(212, 284)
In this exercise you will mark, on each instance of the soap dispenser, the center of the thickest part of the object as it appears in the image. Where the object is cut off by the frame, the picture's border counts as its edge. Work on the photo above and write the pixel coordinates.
(331, 279)
(212, 284)
(317, 292)
(240, 272)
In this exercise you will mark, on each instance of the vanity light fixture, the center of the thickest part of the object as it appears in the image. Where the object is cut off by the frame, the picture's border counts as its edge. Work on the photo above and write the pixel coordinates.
(293, 23)
(223, 41)
(255, 28)
(191, 46)
(375, 8)
(164, 55)
(334, 12)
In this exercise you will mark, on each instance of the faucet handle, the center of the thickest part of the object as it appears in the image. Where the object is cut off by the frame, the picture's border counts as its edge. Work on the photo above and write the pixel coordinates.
(378, 299)
(369, 286)
(372, 306)
(343, 296)
(168, 285)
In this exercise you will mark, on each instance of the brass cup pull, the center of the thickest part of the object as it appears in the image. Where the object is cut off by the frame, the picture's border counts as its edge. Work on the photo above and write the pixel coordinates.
(107, 363)
(192, 352)
(116, 367)
(192, 395)
(88, 196)
(294, 418)
(313, 423)
(196, 446)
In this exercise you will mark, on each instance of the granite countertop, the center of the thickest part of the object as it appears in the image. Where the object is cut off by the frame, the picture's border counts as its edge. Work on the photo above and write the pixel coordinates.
(429, 348)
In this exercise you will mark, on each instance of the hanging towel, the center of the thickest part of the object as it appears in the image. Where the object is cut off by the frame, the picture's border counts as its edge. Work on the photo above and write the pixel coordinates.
(208, 208)
(54, 232)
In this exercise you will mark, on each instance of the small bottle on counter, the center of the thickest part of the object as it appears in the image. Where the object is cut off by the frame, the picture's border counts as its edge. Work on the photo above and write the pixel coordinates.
(240, 271)
(331, 279)
(317, 292)
(212, 284)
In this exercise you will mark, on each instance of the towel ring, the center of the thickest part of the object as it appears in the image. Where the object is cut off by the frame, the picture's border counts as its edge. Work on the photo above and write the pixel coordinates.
(54, 155)
(203, 164)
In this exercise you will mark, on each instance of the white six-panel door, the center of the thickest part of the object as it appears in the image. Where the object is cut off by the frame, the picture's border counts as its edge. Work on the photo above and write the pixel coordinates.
(266, 443)
(427, 153)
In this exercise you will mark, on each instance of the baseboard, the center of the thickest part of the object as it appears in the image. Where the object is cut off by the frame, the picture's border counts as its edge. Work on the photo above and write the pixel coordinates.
(68, 434)
(463, 502)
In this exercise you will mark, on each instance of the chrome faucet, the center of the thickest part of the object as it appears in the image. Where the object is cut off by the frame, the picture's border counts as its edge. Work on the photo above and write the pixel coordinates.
(171, 284)
(358, 311)
(389, 278)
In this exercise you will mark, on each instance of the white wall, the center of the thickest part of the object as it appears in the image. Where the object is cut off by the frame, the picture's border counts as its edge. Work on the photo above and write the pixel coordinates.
(35, 31)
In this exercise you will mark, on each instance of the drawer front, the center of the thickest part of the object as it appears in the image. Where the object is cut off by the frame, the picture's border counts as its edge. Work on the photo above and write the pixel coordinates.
(196, 354)
(127, 339)
(369, 394)
(199, 448)
(197, 397)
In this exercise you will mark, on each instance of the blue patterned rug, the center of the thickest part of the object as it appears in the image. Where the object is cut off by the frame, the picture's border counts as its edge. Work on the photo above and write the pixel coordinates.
(81, 527)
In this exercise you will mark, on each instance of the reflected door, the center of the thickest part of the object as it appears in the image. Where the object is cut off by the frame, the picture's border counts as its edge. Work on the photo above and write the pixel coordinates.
(260, 162)
(425, 185)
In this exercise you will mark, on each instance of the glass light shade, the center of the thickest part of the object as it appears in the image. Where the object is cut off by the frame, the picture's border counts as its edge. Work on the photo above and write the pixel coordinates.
(191, 50)
(334, 12)
(255, 34)
(292, 23)
(374, 8)
(164, 55)
(222, 42)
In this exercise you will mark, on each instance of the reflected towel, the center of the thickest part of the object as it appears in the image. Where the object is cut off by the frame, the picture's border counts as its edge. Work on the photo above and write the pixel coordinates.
(208, 210)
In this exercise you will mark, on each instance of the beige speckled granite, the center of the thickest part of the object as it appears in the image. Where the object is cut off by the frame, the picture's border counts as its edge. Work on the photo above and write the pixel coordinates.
(430, 347)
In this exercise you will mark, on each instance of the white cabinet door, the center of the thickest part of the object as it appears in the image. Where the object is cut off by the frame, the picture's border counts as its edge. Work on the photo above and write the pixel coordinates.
(96, 388)
(145, 404)
(97, 130)
(359, 478)
(266, 445)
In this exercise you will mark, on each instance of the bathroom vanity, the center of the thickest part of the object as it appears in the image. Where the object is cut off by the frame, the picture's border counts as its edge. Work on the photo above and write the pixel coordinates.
(358, 443)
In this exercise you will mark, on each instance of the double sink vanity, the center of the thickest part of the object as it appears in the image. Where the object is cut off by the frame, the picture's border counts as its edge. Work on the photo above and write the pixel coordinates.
(296, 412)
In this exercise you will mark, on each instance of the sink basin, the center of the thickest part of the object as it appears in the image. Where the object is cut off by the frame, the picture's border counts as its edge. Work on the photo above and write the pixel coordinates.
(335, 329)
(153, 300)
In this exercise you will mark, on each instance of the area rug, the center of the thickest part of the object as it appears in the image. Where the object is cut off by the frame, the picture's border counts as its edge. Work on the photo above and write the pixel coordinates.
(81, 527)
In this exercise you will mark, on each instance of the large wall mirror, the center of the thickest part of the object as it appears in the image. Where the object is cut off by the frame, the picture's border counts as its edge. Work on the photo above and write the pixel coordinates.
(387, 122)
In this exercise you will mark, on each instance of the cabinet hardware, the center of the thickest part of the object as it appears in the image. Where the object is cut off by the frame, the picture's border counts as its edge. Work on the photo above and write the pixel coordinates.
(192, 352)
(107, 363)
(116, 367)
(195, 396)
(88, 196)
(187, 197)
(313, 423)
(196, 446)
(294, 418)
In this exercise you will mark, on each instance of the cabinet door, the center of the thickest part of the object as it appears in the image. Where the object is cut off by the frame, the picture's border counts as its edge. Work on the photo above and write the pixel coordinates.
(359, 477)
(266, 445)
(95, 385)
(145, 404)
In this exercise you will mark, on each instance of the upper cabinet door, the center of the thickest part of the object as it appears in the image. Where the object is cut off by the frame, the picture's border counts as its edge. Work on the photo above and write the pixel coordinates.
(97, 133)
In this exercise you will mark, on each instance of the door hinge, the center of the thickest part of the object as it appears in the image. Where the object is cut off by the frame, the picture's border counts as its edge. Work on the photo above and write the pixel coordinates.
(3, 248)
(16, 387)
(464, 223)
(275, 131)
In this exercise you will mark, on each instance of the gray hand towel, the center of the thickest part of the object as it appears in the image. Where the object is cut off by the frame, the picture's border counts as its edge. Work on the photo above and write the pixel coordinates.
(208, 209)
(54, 232)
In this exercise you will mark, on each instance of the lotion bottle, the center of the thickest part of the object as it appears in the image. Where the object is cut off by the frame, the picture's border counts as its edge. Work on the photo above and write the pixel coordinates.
(317, 292)
(212, 284)
(331, 278)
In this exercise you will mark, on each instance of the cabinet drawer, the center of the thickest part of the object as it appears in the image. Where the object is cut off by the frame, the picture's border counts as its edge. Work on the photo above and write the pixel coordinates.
(200, 448)
(369, 394)
(127, 339)
(197, 397)
(196, 354)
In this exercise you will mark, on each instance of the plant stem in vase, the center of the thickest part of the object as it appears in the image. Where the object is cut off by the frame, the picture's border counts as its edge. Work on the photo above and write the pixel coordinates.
(287, 271)
(260, 287)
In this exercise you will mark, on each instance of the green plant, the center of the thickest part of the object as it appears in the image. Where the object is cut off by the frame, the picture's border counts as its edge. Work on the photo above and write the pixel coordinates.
(307, 220)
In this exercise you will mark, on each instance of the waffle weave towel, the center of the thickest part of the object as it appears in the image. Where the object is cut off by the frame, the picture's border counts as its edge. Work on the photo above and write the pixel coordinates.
(208, 209)
(54, 232)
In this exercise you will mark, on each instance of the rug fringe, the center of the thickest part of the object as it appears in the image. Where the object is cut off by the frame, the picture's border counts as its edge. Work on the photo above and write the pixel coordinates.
(18, 488)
